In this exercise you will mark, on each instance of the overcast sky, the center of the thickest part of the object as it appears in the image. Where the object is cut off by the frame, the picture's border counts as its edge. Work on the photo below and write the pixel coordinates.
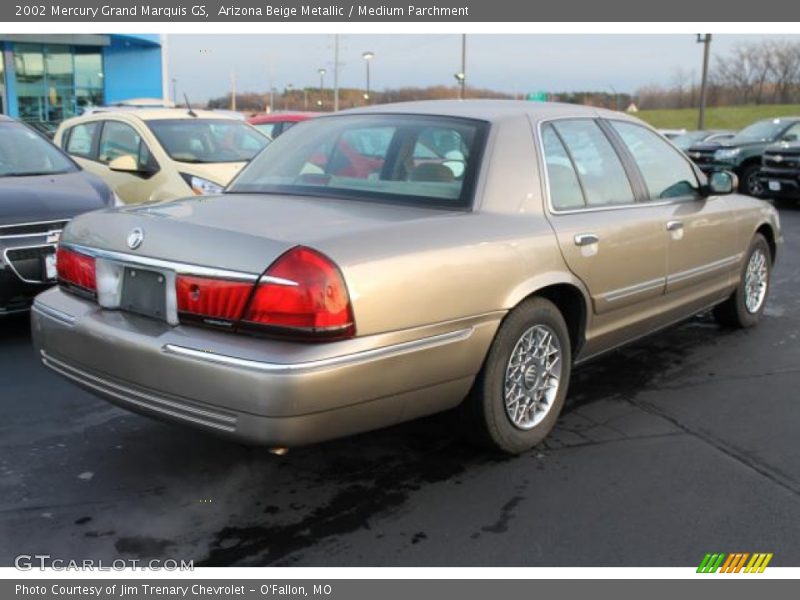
(202, 64)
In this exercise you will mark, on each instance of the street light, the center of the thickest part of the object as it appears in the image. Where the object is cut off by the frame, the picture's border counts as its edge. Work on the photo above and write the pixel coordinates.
(461, 78)
(174, 91)
(321, 85)
(706, 40)
(367, 56)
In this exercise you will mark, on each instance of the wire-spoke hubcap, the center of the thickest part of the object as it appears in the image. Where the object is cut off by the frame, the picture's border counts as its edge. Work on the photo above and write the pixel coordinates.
(532, 378)
(755, 281)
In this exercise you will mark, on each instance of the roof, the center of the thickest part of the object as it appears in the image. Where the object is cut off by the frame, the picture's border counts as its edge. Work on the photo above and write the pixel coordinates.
(5, 118)
(153, 114)
(489, 110)
(279, 117)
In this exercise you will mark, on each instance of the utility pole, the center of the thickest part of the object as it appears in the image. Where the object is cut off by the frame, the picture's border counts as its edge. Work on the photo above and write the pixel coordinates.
(336, 72)
(464, 65)
(704, 39)
(461, 76)
(233, 90)
(321, 72)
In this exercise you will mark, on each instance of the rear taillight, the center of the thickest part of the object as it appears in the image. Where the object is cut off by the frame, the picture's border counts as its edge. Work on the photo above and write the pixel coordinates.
(214, 301)
(76, 271)
(302, 293)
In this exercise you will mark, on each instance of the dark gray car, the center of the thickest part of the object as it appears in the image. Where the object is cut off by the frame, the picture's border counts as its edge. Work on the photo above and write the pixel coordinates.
(41, 189)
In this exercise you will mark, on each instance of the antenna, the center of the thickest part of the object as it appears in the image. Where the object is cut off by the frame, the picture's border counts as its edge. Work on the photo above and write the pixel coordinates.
(189, 110)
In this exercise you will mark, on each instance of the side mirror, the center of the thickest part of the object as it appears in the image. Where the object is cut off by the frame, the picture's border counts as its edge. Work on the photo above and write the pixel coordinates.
(722, 182)
(124, 164)
(791, 137)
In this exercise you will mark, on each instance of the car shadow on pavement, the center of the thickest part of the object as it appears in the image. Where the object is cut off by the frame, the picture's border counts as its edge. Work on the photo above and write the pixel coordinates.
(157, 489)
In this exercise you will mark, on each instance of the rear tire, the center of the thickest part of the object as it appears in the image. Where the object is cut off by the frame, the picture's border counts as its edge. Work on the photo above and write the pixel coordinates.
(520, 391)
(746, 305)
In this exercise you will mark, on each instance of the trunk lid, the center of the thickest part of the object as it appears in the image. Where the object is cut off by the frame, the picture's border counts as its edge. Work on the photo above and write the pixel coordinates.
(242, 232)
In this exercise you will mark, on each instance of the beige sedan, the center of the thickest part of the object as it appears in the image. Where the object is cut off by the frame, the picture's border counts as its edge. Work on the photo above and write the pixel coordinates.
(378, 265)
(152, 155)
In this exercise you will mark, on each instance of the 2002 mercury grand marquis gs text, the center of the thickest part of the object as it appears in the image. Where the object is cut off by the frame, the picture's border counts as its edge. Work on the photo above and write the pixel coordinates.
(386, 263)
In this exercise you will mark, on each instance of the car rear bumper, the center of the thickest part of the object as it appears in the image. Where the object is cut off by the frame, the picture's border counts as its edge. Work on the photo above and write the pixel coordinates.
(256, 390)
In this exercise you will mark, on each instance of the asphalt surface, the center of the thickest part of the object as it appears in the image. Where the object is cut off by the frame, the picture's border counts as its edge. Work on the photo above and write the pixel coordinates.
(685, 443)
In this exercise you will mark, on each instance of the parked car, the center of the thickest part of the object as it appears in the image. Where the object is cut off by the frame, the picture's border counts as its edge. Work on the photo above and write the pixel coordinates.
(41, 189)
(742, 153)
(690, 138)
(149, 155)
(780, 171)
(493, 245)
(274, 124)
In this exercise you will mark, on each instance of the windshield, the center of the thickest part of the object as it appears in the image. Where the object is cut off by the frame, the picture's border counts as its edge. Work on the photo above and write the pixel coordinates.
(762, 131)
(428, 161)
(24, 153)
(208, 140)
(685, 141)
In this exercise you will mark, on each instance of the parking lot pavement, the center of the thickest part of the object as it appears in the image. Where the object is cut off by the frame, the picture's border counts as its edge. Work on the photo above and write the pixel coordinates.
(682, 444)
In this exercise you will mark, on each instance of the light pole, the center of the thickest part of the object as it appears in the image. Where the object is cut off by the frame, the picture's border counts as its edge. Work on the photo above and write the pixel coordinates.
(461, 76)
(704, 39)
(336, 72)
(321, 86)
(286, 96)
(367, 56)
(461, 79)
(174, 91)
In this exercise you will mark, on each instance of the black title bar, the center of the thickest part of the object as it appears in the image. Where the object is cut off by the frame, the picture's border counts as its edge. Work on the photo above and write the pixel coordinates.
(441, 11)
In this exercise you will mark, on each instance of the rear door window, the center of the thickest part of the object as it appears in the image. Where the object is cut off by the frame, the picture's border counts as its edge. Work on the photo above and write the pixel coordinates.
(599, 168)
(565, 189)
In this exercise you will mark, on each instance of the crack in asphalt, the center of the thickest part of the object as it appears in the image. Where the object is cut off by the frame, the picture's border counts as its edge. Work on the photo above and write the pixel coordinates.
(710, 381)
(773, 475)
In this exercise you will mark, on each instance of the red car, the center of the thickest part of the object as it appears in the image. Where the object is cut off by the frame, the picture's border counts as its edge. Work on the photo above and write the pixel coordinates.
(275, 124)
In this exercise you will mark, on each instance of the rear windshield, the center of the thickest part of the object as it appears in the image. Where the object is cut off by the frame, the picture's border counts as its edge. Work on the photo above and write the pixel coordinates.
(26, 153)
(421, 160)
(208, 140)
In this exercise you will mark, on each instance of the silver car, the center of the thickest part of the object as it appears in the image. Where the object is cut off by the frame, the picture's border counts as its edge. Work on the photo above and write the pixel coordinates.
(382, 264)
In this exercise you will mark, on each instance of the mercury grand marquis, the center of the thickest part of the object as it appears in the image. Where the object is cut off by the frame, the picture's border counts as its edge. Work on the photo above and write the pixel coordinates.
(382, 264)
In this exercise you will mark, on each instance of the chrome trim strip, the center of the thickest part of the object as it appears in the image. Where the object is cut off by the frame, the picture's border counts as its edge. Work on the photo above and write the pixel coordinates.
(632, 290)
(225, 422)
(157, 263)
(335, 361)
(16, 311)
(19, 236)
(14, 269)
(53, 313)
(703, 269)
(11, 225)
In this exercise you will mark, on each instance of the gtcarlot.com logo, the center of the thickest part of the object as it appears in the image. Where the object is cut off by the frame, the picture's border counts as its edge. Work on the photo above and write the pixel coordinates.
(28, 562)
(736, 562)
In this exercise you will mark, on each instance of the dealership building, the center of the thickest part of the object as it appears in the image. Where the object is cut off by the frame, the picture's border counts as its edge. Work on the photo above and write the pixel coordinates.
(53, 77)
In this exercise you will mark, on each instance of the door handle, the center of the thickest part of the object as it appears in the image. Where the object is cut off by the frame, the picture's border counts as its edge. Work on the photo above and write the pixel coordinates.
(674, 225)
(584, 239)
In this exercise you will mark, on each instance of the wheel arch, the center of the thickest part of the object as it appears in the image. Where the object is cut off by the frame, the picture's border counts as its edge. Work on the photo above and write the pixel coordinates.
(569, 296)
(768, 232)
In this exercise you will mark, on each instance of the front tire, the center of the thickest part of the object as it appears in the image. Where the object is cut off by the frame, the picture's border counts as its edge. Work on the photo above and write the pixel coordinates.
(750, 183)
(746, 305)
(520, 391)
